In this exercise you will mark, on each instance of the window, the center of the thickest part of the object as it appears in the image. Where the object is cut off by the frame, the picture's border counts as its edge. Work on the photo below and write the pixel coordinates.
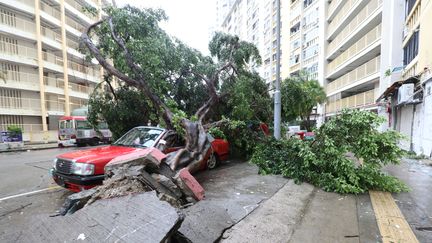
(409, 4)
(411, 49)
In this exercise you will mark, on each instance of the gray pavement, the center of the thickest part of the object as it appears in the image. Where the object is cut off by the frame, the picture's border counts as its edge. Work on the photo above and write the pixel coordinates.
(416, 205)
(240, 205)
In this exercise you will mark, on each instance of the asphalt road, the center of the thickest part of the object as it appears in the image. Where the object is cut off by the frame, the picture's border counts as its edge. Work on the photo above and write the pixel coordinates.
(233, 192)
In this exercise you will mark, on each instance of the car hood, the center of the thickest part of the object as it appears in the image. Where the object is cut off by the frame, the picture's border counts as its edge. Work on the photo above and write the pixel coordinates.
(98, 155)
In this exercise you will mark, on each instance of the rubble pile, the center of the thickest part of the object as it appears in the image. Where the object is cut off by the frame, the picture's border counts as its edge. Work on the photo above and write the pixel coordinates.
(142, 171)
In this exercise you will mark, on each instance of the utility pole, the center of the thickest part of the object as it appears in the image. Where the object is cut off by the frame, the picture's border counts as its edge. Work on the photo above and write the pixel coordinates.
(277, 94)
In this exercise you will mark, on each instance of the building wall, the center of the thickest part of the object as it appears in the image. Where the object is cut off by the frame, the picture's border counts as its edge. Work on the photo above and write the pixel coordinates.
(52, 80)
(352, 54)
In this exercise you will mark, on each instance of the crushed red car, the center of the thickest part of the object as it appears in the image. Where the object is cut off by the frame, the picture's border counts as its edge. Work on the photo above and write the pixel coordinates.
(84, 169)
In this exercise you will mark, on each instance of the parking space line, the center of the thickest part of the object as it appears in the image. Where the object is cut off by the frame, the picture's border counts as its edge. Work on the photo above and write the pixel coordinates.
(29, 193)
(391, 222)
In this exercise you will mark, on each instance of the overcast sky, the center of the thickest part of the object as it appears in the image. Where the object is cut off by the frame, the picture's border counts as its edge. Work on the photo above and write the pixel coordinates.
(189, 20)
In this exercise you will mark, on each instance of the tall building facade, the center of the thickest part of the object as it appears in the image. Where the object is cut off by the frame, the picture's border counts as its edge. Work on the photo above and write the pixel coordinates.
(406, 76)
(304, 37)
(352, 48)
(44, 75)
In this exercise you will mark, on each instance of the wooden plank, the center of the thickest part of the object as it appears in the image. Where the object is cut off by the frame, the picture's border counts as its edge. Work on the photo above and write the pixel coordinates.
(391, 222)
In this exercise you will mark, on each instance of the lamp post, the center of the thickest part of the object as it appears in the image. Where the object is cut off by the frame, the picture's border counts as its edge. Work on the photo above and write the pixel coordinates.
(277, 94)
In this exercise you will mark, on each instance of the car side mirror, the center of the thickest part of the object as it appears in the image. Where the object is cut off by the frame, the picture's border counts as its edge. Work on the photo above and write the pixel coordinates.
(162, 142)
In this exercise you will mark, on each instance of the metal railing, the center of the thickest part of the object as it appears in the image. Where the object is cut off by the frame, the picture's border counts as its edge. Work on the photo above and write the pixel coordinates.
(356, 101)
(360, 45)
(20, 103)
(332, 6)
(50, 10)
(72, 23)
(83, 69)
(79, 7)
(24, 127)
(22, 77)
(18, 23)
(371, 7)
(369, 68)
(49, 57)
(18, 50)
(51, 34)
(26, 2)
(341, 15)
(54, 105)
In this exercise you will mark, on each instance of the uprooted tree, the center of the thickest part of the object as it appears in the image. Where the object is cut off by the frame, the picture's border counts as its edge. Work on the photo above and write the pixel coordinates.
(130, 45)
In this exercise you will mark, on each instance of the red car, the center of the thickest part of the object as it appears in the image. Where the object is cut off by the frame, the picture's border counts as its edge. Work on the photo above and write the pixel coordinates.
(84, 169)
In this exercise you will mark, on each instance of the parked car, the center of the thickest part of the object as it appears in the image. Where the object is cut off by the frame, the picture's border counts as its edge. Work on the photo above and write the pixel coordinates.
(84, 169)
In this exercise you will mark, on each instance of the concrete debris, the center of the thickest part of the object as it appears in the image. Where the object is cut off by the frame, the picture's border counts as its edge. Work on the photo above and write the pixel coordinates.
(189, 185)
(139, 172)
(139, 217)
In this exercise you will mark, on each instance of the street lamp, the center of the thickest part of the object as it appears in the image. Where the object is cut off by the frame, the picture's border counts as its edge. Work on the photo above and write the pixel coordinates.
(277, 94)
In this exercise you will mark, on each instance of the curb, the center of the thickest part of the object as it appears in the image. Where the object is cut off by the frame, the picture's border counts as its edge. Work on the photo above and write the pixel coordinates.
(26, 149)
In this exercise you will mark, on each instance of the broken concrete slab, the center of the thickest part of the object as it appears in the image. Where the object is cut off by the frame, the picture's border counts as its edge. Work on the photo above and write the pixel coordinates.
(276, 218)
(134, 218)
(149, 158)
(189, 184)
(76, 201)
(216, 220)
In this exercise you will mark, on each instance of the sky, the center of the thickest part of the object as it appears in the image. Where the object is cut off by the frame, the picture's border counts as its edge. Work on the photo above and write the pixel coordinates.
(189, 20)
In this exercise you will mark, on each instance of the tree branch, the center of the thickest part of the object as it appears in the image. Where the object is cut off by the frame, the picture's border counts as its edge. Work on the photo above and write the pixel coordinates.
(85, 38)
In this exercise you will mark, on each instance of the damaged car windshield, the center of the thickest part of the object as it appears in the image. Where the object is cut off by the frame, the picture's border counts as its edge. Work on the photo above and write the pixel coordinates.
(139, 137)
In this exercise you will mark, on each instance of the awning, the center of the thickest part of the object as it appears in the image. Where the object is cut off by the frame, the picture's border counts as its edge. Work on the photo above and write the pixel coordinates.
(395, 86)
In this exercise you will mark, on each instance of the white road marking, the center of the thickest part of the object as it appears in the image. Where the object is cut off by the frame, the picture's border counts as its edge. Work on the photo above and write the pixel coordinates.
(29, 193)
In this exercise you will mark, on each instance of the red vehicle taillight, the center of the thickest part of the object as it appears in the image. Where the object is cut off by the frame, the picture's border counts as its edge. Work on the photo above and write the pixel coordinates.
(73, 136)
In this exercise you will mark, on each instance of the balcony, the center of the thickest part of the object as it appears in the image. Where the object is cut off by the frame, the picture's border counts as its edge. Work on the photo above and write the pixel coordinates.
(18, 53)
(331, 10)
(354, 55)
(25, 127)
(412, 22)
(50, 10)
(20, 106)
(342, 15)
(20, 80)
(79, 7)
(358, 101)
(51, 58)
(75, 25)
(364, 16)
(47, 32)
(55, 107)
(17, 23)
(360, 75)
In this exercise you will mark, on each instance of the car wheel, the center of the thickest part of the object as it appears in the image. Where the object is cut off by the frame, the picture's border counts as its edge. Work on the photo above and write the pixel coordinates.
(212, 161)
(94, 142)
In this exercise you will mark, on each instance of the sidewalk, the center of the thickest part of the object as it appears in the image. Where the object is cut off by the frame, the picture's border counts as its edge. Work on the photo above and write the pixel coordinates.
(25, 147)
(303, 213)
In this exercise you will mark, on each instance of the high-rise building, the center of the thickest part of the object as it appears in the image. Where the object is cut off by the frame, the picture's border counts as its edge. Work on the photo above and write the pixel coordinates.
(304, 39)
(352, 48)
(406, 76)
(256, 21)
(45, 76)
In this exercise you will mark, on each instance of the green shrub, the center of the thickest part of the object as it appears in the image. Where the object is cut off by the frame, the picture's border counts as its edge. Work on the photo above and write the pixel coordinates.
(14, 129)
(324, 162)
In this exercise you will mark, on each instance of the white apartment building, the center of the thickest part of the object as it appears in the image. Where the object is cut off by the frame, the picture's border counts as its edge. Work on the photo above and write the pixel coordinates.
(406, 76)
(255, 21)
(352, 49)
(45, 76)
(304, 32)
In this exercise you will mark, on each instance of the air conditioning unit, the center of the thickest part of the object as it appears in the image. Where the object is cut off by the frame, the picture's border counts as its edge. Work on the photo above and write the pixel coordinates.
(405, 93)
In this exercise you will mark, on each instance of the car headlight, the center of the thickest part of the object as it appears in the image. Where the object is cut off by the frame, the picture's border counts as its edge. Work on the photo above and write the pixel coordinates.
(54, 164)
(82, 169)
